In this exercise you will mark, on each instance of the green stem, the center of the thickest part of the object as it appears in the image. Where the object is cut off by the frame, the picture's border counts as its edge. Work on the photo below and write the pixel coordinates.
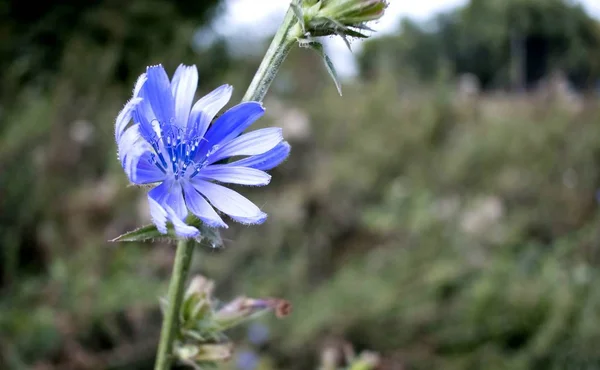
(282, 43)
(183, 259)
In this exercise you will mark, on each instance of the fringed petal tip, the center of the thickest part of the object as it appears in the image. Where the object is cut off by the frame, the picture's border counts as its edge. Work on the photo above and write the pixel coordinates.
(159, 65)
(257, 220)
(215, 225)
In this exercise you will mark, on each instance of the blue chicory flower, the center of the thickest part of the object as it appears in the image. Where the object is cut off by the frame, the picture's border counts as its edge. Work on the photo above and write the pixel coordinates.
(163, 139)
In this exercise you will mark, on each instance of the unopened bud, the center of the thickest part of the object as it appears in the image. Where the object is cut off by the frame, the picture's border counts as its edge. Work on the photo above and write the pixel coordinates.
(197, 301)
(345, 18)
(204, 353)
(354, 12)
(242, 309)
(201, 286)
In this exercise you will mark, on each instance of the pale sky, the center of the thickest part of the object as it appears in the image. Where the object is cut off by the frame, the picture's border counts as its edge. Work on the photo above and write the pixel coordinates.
(246, 20)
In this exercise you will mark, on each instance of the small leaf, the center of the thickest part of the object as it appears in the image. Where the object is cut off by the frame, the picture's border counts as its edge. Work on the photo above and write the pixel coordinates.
(208, 236)
(148, 232)
(353, 33)
(318, 47)
(364, 27)
(343, 36)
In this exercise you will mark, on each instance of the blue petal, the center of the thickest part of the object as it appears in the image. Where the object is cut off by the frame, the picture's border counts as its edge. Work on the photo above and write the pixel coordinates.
(252, 143)
(206, 109)
(181, 228)
(235, 175)
(230, 125)
(183, 88)
(200, 207)
(124, 117)
(146, 172)
(158, 215)
(139, 84)
(170, 195)
(145, 126)
(229, 202)
(157, 90)
(265, 161)
(145, 117)
(131, 147)
(162, 199)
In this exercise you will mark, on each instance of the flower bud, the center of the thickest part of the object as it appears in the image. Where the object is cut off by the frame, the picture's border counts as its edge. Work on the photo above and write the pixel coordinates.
(197, 301)
(242, 309)
(204, 353)
(345, 18)
(354, 12)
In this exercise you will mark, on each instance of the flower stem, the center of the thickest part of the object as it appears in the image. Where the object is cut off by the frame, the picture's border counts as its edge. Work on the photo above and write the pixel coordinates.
(282, 43)
(183, 259)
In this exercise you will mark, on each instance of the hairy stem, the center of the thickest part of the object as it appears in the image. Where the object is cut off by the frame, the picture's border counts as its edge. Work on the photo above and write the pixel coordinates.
(280, 47)
(183, 259)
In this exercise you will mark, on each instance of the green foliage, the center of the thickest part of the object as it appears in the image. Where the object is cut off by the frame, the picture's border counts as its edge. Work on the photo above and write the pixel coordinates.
(35, 39)
(444, 234)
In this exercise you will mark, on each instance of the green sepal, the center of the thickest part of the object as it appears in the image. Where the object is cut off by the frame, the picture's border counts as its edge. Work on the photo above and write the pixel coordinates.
(354, 33)
(208, 236)
(318, 47)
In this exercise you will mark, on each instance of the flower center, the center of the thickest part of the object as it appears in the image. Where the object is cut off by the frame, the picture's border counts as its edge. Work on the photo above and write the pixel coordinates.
(175, 153)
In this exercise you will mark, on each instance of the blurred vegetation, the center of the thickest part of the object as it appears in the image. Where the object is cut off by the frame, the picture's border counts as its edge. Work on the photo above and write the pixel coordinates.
(442, 229)
(501, 42)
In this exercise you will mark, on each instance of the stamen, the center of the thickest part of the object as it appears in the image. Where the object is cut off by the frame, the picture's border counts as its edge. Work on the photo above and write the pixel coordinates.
(155, 162)
(162, 158)
(198, 168)
(212, 150)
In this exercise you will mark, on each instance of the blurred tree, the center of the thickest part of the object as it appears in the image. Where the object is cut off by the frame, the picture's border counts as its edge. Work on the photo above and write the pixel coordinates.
(35, 38)
(512, 42)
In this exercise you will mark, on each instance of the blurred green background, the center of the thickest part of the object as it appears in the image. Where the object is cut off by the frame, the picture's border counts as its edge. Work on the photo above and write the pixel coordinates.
(443, 212)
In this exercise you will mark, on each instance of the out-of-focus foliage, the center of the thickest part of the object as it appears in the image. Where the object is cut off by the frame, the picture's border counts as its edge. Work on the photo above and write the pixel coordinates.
(445, 233)
(36, 38)
(490, 39)
(441, 230)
